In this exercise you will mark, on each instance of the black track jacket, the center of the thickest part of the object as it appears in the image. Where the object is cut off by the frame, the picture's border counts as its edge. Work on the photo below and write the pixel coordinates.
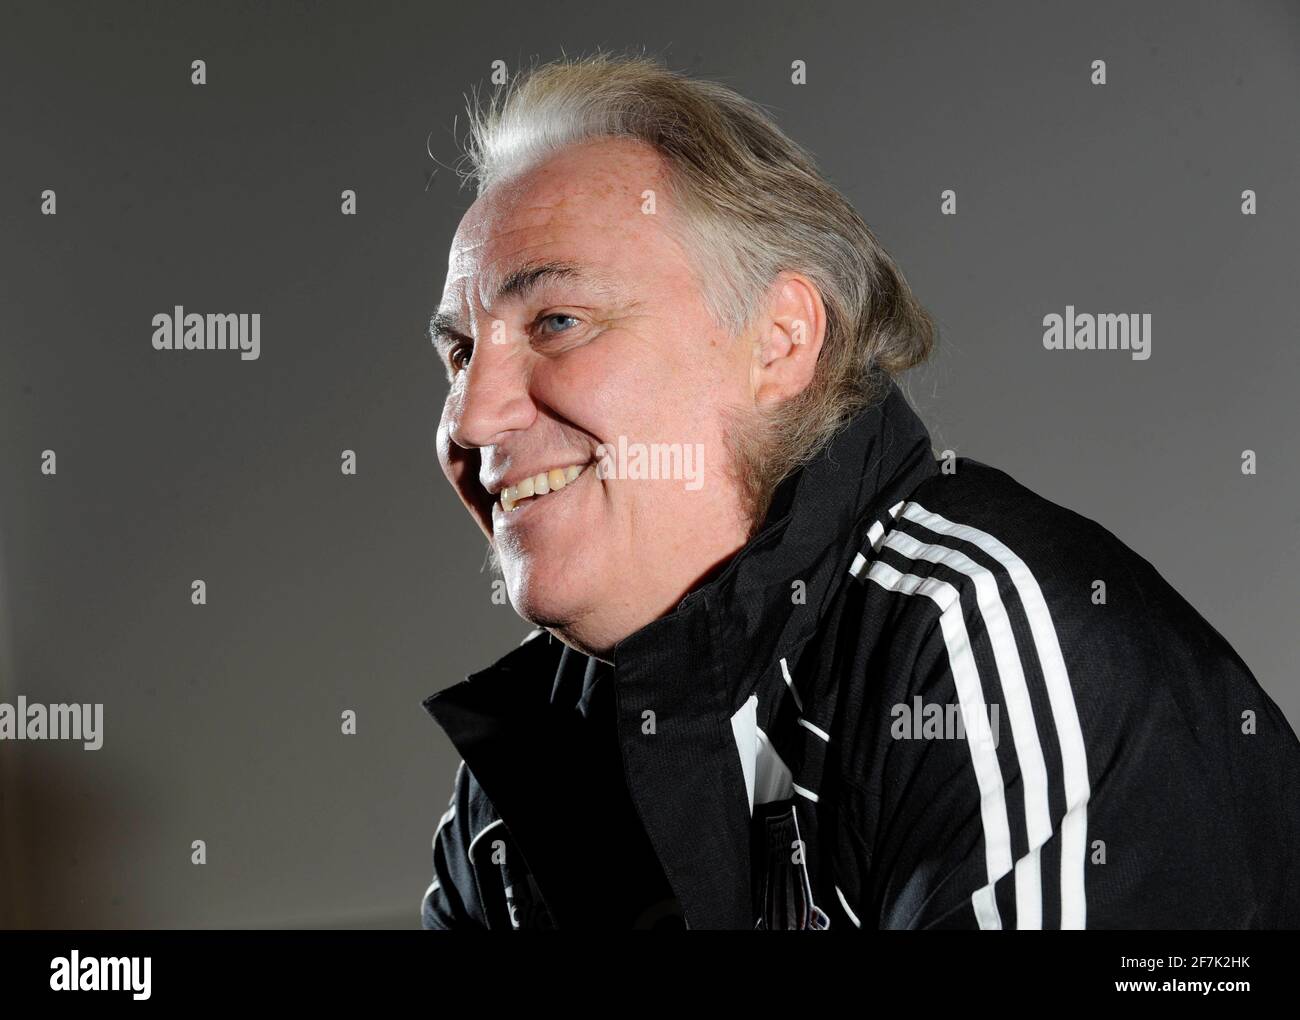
(917, 698)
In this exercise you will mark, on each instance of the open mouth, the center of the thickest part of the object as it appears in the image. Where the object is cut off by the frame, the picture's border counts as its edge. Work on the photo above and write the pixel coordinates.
(529, 490)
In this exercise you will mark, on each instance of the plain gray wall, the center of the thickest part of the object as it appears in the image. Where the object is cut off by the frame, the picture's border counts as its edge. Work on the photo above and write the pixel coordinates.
(328, 593)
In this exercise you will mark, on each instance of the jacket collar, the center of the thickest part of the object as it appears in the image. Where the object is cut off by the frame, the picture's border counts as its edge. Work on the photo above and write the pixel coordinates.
(678, 682)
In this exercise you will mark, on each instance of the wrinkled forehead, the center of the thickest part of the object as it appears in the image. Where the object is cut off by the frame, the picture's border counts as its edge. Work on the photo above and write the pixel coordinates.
(587, 204)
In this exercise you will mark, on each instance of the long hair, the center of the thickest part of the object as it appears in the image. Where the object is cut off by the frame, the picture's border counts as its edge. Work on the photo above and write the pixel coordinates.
(751, 204)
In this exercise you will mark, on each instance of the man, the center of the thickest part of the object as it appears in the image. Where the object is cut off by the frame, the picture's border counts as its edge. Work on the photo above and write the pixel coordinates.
(787, 672)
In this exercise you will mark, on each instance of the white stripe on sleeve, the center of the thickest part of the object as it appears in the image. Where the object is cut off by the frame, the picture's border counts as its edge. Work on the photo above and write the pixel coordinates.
(1074, 824)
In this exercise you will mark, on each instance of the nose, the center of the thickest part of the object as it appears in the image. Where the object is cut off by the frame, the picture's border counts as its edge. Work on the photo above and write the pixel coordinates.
(492, 397)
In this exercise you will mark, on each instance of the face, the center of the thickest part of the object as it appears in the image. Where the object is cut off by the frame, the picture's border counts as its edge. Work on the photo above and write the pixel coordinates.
(583, 367)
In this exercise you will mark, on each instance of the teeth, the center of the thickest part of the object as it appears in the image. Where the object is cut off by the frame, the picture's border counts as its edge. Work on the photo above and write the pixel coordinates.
(539, 485)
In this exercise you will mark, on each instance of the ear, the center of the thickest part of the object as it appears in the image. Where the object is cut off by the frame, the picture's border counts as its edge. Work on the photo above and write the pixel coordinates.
(789, 339)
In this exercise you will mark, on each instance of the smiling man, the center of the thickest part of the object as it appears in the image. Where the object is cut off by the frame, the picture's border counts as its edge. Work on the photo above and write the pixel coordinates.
(586, 310)
(786, 672)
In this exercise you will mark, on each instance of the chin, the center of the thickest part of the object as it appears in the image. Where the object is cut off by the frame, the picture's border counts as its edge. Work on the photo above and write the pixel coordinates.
(545, 596)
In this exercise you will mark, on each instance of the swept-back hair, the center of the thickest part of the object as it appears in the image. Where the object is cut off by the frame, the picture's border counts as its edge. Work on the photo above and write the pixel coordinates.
(750, 204)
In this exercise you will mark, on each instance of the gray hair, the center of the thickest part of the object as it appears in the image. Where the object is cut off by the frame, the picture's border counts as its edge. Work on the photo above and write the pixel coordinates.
(752, 205)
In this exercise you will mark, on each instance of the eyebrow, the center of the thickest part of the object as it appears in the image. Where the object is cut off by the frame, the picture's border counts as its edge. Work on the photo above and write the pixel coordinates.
(518, 284)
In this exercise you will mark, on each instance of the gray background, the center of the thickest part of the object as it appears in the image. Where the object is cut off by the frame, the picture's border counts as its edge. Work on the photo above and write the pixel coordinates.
(326, 592)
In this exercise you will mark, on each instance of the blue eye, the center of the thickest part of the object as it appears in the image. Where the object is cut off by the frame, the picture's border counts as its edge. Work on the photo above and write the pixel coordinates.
(549, 318)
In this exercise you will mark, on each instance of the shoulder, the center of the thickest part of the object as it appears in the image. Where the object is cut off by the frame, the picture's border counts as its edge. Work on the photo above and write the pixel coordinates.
(1128, 720)
(989, 510)
(1027, 579)
(981, 534)
(1000, 596)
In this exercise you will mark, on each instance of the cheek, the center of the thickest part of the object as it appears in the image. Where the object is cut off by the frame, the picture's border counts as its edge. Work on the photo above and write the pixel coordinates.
(644, 389)
(605, 389)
